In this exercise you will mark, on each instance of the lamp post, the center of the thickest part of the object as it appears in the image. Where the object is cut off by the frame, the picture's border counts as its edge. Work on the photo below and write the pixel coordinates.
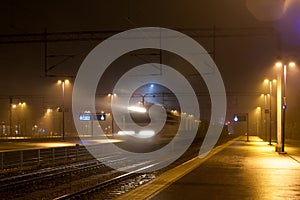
(10, 116)
(265, 112)
(112, 118)
(283, 77)
(62, 83)
(13, 107)
(23, 122)
(270, 106)
(258, 120)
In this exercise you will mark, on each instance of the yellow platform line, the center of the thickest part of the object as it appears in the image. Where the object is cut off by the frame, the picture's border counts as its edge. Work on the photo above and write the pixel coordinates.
(166, 179)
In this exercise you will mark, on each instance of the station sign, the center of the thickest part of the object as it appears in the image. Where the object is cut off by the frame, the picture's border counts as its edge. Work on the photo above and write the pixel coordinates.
(90, 116)
(240, 118)
(85, 117)
(101, 117)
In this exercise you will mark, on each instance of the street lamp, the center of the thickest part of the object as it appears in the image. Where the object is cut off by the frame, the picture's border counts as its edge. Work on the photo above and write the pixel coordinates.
(62, 83)
(265, 112)
(283, 78)
(23, 122)
(112, 118)
(267, 81)
(258, 120)
(12, 107)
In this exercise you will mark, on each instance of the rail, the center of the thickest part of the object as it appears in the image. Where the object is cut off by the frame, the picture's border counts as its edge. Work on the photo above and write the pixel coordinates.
(92, 189)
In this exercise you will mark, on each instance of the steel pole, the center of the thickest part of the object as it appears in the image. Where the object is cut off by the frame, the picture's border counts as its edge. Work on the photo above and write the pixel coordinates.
(63, 110)
(284, 104)
(270, 135)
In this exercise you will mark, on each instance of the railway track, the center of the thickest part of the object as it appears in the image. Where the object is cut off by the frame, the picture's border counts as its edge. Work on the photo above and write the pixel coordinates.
(113, 187)
(121, 184)
(52, 173)
(84, 180)
(24, 183)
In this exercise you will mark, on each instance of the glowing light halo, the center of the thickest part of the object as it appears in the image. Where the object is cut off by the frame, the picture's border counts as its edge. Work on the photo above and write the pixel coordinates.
(110, 49)
(170, 78)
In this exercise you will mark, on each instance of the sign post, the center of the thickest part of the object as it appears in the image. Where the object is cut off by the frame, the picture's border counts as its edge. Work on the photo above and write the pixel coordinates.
(241, 117)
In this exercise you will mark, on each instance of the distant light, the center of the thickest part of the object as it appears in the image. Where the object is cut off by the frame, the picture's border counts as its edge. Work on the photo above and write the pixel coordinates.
(146, 134)
(64, 81)
(278, 64)
(49, 110)
(228, 122)
(266, 80)
(110, 94)
(22, 104)
(101, 117)
(126, 133)
(14, 106)
(292, 64)
(284, 107)
(235, 118)
(152, 85)
(137, 109)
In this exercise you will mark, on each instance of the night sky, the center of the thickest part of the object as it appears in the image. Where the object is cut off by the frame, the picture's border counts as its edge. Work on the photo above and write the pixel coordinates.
(250, 37)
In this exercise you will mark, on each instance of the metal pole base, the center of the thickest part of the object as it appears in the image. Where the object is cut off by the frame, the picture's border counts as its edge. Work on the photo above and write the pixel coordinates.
(278, 148)
(282, 152)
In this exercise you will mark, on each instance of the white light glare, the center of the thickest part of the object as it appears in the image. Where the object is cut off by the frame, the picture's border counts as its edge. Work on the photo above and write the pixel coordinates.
(126, 133)
(146, 134)
(137, 109)
(141, 134)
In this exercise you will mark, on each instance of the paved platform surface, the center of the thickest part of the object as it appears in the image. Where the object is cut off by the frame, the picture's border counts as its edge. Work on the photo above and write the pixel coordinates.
(235, 170)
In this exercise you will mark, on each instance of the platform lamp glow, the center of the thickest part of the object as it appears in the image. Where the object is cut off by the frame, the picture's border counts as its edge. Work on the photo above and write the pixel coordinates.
(63, 83)
(283, 103)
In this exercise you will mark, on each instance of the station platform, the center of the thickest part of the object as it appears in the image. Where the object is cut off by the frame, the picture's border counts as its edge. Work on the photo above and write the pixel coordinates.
(21, 144)
(235, 170)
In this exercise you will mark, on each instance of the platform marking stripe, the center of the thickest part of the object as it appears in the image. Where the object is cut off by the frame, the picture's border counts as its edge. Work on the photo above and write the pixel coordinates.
(163, 181)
